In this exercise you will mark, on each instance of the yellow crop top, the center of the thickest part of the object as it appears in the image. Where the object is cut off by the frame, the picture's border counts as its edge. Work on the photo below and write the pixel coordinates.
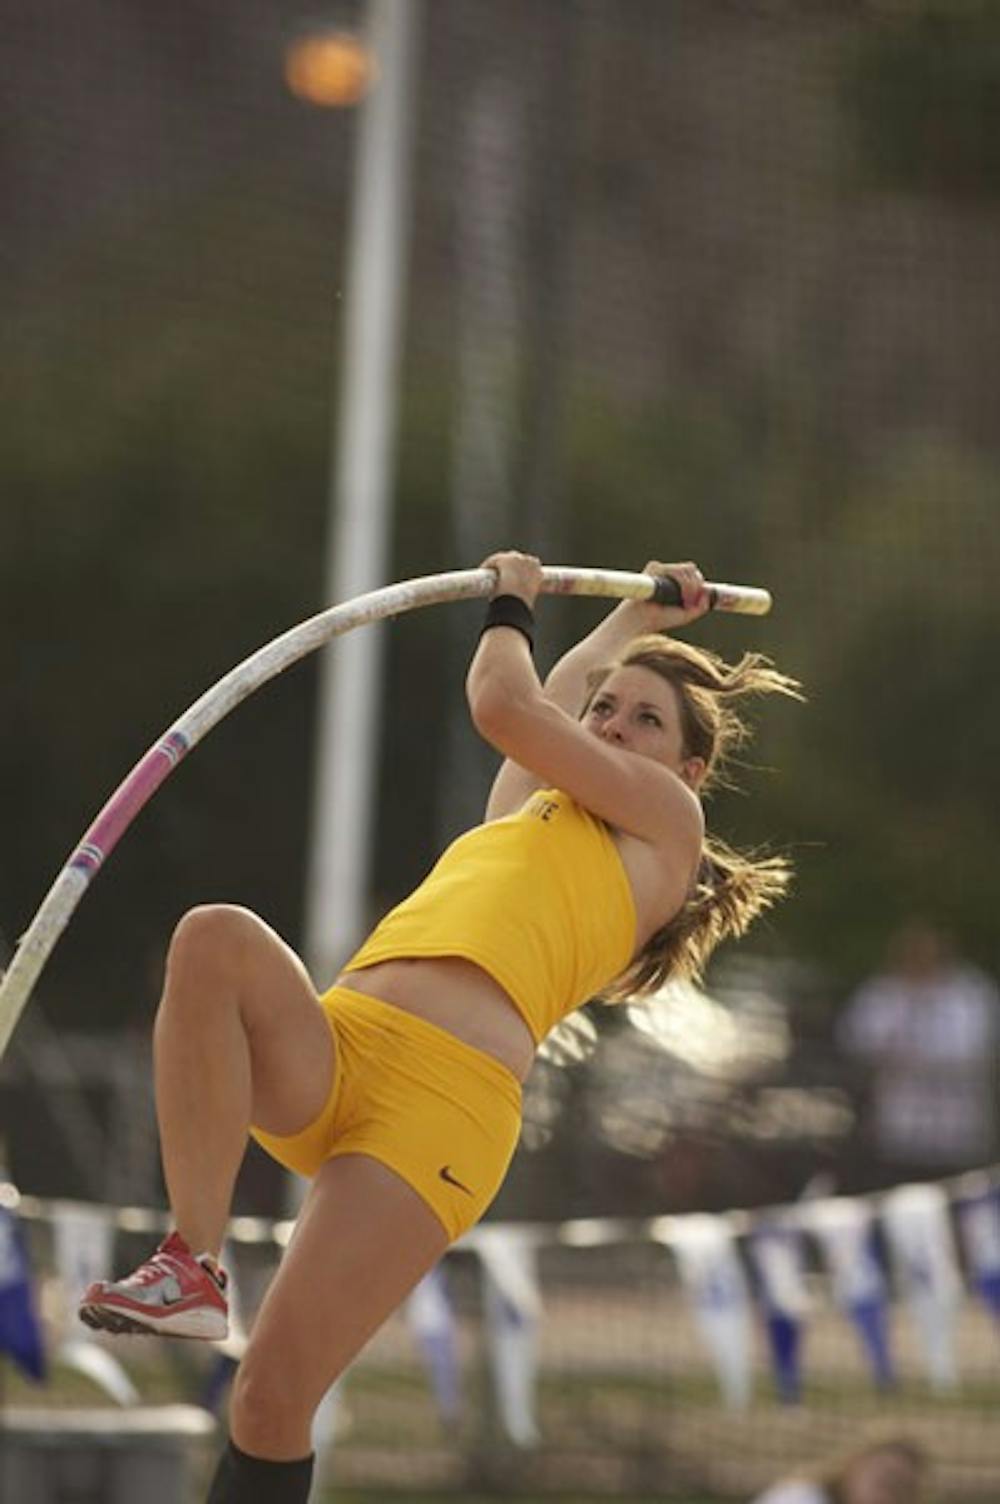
(539, 899)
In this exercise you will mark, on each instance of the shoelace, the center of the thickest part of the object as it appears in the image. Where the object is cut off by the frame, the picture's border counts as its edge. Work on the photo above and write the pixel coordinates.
(157, 1266)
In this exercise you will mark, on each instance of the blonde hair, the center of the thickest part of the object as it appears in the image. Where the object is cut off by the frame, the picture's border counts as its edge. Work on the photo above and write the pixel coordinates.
(732, 887)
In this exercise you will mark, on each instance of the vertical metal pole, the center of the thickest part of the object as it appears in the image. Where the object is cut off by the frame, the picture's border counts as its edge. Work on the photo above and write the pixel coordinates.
(357, 549)
(489, 239)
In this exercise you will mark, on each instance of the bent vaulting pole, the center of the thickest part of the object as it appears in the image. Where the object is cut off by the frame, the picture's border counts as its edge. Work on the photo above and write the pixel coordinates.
(39, 940)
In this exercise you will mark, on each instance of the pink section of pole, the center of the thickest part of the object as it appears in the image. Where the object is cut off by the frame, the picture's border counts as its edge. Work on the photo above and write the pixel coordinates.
(123, 806)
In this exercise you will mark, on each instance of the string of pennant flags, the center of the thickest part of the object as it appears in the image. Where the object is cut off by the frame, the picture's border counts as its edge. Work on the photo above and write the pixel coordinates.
(929, 1246)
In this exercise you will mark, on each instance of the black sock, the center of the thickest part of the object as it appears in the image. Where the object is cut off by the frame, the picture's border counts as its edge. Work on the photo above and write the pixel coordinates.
(240, 1479)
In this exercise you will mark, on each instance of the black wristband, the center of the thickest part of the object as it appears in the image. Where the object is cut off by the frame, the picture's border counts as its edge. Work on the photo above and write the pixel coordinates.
(511, 611)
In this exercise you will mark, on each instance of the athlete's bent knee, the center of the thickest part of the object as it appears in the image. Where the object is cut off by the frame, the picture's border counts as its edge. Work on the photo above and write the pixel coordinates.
(213, 934)
(268, 1415)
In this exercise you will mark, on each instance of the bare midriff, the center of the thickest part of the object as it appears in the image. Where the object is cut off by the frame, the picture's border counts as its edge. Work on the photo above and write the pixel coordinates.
(456, 995)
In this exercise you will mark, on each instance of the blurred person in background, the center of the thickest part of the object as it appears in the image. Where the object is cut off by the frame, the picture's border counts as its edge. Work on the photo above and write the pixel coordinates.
(891, 1470)
(925, 1033)
(398, 1092)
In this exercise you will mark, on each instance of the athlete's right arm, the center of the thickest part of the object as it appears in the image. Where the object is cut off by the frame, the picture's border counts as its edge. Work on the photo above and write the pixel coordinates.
(567, 683)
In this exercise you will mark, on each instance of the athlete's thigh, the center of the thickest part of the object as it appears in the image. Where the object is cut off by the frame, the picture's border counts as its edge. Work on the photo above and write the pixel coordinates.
(362, 1241)
(292, 1049)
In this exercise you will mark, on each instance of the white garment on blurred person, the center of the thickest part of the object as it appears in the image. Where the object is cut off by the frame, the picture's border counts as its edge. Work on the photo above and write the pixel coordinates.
(794, 1491)
(927, 1028)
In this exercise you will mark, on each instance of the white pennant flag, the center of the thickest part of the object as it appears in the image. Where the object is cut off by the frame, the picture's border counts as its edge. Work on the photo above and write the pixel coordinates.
(923, 1252)
(230, 1350)
(235, 1344)
(717, 1287)
(777, 1254)
(513, 1305)
(82, 1245)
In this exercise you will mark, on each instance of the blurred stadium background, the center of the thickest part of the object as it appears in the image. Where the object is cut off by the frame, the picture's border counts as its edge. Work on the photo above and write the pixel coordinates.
(683, 278)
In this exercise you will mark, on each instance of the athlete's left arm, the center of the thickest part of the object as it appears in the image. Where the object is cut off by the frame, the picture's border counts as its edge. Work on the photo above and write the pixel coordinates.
(567, 683)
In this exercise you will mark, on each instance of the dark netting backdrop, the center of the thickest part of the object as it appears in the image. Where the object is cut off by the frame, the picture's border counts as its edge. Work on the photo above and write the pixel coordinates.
(709, 279)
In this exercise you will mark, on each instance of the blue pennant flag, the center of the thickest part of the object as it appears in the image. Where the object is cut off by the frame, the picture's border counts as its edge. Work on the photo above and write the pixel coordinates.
(979, 1223)
(784, 1334)
(20, 1333)
(846, 1230)
(777, 1255)
(870, 1319)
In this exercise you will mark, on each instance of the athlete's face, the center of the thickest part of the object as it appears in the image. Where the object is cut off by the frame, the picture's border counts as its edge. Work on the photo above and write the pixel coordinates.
(637, 710)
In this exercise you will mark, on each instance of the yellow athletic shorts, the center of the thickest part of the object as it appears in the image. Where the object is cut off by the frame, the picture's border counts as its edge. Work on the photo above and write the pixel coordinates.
(440, 1113)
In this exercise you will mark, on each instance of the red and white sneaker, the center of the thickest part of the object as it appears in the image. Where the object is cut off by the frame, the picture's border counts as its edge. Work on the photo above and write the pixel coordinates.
(172, 1293)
